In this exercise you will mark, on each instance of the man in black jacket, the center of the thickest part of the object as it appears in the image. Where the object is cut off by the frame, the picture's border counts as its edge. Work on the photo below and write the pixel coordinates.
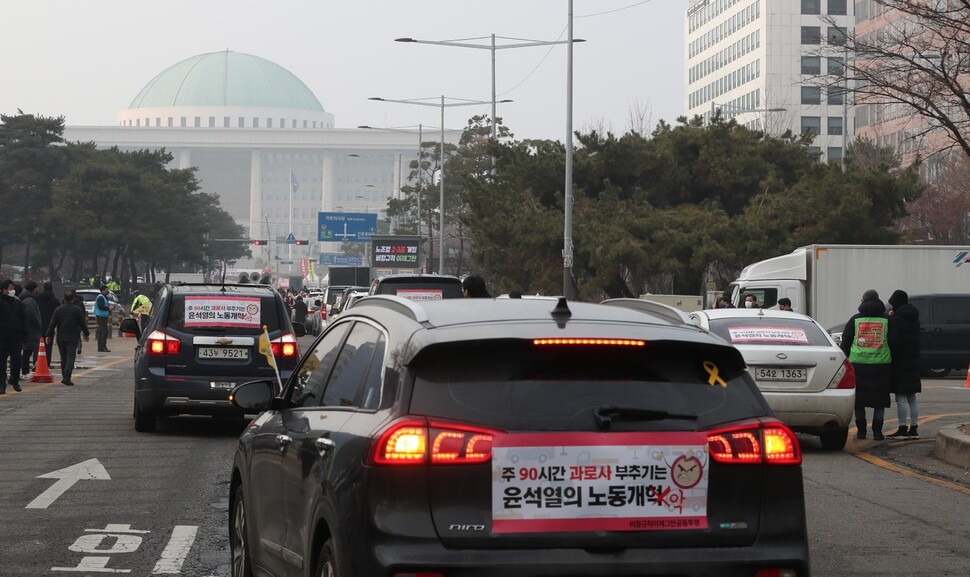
(904, 339)
(68, 322)
(13, 332)
(46, 302)
(34, 324)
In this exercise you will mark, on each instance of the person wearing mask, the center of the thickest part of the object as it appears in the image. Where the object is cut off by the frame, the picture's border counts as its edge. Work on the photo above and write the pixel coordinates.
(865, 341)
(13, 332)
(473, 286)
(751, 302)
(28, 298)
(68, 323)
(784, 304)
(102, 310)
(904, 342)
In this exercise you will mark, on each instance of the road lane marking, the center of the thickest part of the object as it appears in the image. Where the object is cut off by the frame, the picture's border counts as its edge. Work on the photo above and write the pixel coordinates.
(170, 563)
(66, 478)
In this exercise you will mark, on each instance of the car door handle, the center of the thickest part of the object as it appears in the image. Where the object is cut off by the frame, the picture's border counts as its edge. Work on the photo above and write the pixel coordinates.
(324, 445)
(283, 441)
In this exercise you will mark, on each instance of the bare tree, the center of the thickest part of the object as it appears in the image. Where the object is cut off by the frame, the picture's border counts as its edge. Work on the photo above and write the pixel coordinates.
(640, 119)
(941, 215)
(919, 58)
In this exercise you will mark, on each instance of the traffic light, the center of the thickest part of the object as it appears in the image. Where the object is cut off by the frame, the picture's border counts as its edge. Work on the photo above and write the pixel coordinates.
(260, 242)
(301, 242)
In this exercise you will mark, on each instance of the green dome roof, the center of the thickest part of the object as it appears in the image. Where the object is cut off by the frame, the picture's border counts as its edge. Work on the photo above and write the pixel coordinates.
(226, 79)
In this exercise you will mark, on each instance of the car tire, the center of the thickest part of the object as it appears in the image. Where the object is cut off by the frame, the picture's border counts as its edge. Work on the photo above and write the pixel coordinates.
(238, 538)
(936, 373)
(834, 440)
(327, 560)
(144, 420)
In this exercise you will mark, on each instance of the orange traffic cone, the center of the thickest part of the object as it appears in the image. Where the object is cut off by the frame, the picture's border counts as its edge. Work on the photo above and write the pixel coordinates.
(42, 373)
(967, 384)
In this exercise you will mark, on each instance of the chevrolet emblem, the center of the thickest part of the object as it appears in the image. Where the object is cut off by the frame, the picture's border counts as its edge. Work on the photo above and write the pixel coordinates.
(224, 341)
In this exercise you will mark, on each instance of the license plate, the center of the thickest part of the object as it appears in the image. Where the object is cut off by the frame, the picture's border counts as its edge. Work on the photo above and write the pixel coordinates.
(231, 353)
(793, 375)
(222, 384)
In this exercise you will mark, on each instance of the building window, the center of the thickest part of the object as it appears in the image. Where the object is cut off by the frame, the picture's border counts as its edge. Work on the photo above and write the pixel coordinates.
(811, 34)
(269, 123)
(811, 125)
(835, 154)
(158, 121)
(811, 95)
(255, 122)
(837, 7)
(170, 122)
(836, 35)
(811, 65)
(835, 126)
(212, 122)
(242, 122)
(198, 122)
(836, 66)
(835, 95)
(811, 6)
(183, 122)
(225, 121)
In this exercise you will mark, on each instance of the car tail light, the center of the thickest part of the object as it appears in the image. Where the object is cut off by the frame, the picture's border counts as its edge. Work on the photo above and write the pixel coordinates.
(776, 572)
(160, 343)
(593, 342)
(769, 442)
(284, 346)
(416, 442)
(844, 378)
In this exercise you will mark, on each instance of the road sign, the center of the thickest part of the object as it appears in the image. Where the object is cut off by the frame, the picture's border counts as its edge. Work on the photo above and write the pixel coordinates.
(346, 226)
(286, 262)
(291, 239)
(336, 259)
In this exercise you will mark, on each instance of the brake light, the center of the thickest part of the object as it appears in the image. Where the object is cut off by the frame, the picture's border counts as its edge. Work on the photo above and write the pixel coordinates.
(594, 342)
(844, 378)
(284, 346)
(776, 572)
(416, 442)
(160, 343)
(755, 443)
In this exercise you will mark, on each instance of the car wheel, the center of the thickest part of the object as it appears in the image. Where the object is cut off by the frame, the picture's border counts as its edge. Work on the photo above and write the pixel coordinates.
(834, 440)
(144, 420)
(327, 560)
(936, 373)
(238, 540)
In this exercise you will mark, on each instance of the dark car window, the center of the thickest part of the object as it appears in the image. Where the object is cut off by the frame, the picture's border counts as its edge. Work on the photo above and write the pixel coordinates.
(517, 386)
(351, 367)
(769, 331)
(309, 380)
(240, 314)
(952, 310)
(370, 398)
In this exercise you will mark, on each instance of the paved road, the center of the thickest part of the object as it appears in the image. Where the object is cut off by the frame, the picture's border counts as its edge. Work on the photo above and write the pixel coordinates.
(155, 504)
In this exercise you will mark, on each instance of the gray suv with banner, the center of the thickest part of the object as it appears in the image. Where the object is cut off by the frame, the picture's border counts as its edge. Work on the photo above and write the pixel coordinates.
(514, 437)
(202, 340)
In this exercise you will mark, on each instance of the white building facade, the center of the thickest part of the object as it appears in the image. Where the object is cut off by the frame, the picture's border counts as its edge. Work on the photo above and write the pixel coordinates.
(773, 65)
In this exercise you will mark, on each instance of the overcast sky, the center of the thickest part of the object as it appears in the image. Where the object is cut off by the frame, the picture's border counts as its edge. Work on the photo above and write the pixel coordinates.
(86, 60)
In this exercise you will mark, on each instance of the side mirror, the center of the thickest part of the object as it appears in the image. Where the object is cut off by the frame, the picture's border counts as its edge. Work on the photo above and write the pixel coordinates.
(130, 326)
(299, 329)
(253, 396)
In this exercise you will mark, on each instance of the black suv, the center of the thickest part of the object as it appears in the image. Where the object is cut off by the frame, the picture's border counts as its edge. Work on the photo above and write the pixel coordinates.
(201, 341)
(418, 287)
(515, 437)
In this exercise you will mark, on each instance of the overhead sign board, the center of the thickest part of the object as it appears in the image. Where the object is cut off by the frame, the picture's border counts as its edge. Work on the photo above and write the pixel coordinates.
(336, 259)
(395, 251)
(346, 226)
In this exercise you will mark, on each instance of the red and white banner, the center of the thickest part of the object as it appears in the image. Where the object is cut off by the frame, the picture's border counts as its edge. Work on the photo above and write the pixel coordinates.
(227, 311)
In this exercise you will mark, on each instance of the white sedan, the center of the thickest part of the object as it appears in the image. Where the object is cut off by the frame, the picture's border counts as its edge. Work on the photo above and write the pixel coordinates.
(801, 372)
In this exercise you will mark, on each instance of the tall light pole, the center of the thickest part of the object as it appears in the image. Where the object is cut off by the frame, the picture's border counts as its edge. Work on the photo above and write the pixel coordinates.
(492, 46)
(441, 178)
(567, 236)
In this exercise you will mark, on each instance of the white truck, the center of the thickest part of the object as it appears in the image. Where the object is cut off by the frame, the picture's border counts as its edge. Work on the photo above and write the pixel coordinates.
(826, 281)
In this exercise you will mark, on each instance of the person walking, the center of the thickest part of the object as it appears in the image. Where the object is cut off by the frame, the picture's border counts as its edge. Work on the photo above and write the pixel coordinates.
(102, 310)
(904, 337)
(68, 323)
(34, 328)
(300, 310)
(13, 332)
(141, 308)
(473, 287)
(865, 341)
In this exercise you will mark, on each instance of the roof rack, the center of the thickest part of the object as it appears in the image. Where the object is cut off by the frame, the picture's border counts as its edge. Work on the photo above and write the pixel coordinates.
(668, 313)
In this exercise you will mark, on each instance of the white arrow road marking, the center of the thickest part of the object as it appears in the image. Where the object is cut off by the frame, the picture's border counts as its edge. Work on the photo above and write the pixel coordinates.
(66, 477)
(177, 549)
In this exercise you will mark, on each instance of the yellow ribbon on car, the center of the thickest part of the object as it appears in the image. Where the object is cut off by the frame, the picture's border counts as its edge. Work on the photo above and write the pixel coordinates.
(715, 378)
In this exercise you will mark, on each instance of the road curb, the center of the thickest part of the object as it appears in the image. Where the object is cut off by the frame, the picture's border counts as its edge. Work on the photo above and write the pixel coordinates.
(952, 446)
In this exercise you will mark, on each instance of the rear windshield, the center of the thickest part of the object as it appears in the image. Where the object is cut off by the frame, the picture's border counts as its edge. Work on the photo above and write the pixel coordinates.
(515, 385)
(770, 331)
(208, 314)
(421, 290)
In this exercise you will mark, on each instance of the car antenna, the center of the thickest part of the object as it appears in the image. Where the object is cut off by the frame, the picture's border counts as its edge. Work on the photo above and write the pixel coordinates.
(561, 312)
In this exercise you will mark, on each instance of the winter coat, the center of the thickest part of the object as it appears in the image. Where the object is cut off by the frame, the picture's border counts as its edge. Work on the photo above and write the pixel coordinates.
(32, 317)
(904, 341)
(47, 302)
(13, 321)
(69, 322)
(873, 383)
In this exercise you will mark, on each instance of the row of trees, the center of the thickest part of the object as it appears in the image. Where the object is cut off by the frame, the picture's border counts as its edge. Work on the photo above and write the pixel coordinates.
(76, 210)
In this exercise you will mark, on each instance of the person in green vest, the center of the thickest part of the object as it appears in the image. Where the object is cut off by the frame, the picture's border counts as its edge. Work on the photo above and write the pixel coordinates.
(141, 308)
(113, 286)
(865, 341)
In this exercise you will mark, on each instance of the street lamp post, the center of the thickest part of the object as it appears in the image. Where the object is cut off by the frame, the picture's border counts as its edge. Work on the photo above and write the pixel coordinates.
(441, 178)
(491, 46)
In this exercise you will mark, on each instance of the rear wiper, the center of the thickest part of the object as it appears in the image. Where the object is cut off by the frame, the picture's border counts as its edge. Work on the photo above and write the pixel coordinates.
(605, 415)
